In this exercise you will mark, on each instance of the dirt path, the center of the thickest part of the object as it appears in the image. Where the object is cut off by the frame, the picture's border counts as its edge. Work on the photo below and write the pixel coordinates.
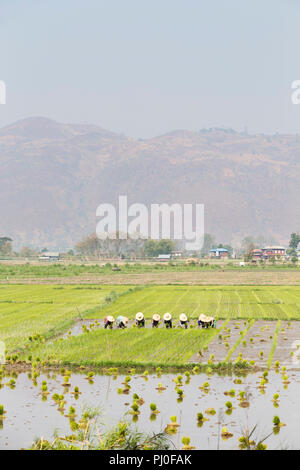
(220, 277)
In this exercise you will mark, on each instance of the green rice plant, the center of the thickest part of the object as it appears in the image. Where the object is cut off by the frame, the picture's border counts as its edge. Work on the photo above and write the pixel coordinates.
(276, 420)
(186, 443)
(153, 408)
(135, 408)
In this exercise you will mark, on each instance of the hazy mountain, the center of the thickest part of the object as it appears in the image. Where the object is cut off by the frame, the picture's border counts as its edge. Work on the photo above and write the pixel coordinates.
(53, 176)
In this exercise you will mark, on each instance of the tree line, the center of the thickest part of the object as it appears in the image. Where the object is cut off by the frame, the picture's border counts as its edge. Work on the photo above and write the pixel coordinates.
(137, 247)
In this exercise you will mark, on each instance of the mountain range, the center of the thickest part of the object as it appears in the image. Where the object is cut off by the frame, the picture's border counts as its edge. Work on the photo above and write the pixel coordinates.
(53, 176)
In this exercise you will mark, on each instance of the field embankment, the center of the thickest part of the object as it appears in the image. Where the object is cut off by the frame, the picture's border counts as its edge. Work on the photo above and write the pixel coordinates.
(157, 274)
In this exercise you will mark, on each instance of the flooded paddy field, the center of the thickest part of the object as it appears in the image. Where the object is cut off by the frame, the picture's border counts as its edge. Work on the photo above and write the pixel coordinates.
(259, 343)
(30, 414)
(47, 329)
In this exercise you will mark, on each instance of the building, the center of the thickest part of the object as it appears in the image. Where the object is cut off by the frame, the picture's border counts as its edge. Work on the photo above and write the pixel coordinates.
(163, 258)
(257, 254)
(50, 256)
(274, 252)
(219, 253)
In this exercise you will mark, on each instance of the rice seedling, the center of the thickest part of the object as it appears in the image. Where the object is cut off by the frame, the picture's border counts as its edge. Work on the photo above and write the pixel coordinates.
(275, 400)
(210, 411)
(201, 419)
(135, 408)
(231, 393)
(66, 382)
(225, 434)
(160, 387)
(277, 423)
(72, 412)
(186, 443)
(171, 428)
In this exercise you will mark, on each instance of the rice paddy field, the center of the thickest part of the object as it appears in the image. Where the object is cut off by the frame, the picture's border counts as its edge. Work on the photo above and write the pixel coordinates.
(65, 323)
(45, 310)
(216, 385)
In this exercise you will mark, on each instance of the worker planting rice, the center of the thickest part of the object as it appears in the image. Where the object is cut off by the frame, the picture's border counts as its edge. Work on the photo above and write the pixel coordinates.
(183, 320)
(122, 322)
(140, 320)
(206, 322)
(168, 320)
(155, 320)
(109, 322)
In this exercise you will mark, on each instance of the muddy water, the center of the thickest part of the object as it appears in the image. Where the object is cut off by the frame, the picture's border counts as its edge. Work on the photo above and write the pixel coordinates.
(29, 417)
(288, 341)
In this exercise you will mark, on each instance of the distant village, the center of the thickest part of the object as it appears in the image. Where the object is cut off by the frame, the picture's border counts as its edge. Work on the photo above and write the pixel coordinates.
(268, 253)
(90, 248)
(258, 254)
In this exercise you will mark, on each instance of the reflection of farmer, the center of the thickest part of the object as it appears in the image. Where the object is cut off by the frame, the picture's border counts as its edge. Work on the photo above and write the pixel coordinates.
(140, 320)
(155, 320)
(168, 320)
(109, 322)
(183, 320)
(122, 322)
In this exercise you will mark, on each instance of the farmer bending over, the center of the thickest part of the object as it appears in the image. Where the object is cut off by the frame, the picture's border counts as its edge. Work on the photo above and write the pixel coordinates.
(140, 320)
(109, 322)
(122, 322)
(183, 320)
(168, 320)
(155, 320)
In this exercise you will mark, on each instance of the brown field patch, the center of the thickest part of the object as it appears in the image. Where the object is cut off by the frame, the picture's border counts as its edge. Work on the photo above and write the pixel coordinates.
(276, 277)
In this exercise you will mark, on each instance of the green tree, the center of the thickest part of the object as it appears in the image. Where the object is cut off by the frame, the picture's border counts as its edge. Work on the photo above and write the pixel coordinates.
(294, 242)
(154, 248)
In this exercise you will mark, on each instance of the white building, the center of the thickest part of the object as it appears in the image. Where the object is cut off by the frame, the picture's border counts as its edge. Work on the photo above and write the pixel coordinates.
(50, 256)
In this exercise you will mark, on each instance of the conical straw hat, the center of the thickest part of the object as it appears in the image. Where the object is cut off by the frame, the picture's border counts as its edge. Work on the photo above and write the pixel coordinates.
(110, 318)
(202, 317)
(167, 316)
(156, 317)
(183, 317)
(125, 320)
(139, 316)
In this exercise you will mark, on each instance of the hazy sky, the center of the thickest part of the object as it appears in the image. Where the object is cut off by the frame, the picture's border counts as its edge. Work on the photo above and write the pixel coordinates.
(144, 67)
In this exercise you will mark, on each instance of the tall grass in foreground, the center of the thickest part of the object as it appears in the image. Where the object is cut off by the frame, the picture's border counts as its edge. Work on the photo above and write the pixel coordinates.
(89, 435)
